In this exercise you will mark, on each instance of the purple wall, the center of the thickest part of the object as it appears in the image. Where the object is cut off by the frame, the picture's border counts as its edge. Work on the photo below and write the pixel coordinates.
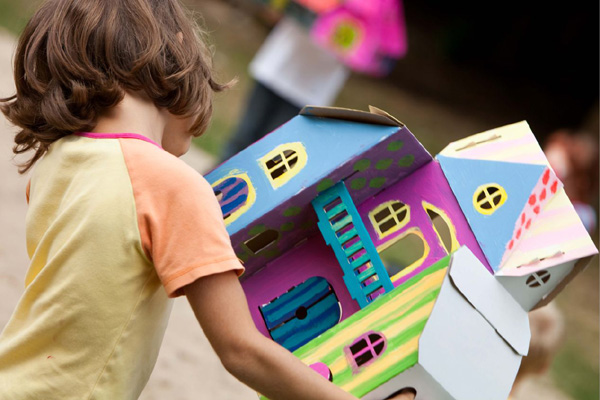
(426, 184)
(311, 258)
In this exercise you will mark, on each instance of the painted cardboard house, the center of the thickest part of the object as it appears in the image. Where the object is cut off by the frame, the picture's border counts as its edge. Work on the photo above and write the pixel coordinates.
(382, 267)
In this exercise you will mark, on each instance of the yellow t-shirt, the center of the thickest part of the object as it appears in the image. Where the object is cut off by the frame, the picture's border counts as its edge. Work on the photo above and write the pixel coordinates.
(112, 219)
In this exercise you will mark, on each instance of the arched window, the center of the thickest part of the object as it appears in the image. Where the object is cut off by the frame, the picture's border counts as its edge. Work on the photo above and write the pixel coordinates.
(235, 195)
(404, 253)
(283, 162)
(302, 313)
(488, 198)
(389, 217)
(443, 227)
(365, 349)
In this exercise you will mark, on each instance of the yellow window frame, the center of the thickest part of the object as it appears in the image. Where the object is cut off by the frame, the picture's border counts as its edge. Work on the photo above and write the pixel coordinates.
(251, 195)
(290, 171)
(489, 198)
(393, 215)
(454, 245)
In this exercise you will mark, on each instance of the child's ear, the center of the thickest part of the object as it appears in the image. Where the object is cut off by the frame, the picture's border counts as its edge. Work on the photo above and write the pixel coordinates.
(180, 37)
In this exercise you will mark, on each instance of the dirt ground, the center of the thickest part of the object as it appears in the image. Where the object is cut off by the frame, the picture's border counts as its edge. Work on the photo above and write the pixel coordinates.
(187, 368)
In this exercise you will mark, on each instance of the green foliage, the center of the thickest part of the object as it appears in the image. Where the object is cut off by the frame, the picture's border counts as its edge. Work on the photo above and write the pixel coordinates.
(15, 14)
(574, 374)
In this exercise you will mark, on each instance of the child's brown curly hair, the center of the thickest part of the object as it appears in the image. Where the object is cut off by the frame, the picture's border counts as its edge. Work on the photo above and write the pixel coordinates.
(76, 58)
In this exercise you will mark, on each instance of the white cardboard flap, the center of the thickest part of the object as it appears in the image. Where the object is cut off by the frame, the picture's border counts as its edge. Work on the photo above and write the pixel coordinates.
(490, 299)
(373, 116)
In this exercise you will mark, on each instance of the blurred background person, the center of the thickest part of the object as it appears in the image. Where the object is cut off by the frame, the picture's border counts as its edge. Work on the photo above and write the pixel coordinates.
(289, 71)
(574, 158)
(307, 58)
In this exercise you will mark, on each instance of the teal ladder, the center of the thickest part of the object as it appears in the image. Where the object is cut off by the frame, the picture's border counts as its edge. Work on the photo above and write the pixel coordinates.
(343, 230)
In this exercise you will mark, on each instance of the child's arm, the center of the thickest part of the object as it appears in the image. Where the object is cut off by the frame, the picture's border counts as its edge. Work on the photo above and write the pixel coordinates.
(222, 310)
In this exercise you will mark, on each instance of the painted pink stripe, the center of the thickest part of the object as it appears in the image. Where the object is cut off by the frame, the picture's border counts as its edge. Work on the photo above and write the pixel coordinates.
(528, 159)
(96, 135)
(551, 215)
(553, 238)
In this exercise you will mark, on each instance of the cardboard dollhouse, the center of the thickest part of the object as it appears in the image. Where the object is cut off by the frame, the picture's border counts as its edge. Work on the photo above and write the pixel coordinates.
(382, 267)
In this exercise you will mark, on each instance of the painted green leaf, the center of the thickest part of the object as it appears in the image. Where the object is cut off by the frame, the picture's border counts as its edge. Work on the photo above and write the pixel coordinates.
(406, 161)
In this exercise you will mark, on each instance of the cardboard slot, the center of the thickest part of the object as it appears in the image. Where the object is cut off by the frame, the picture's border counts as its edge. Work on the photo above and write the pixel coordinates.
(351, 175)
(540, 259)
(474, 143)
(262, 240)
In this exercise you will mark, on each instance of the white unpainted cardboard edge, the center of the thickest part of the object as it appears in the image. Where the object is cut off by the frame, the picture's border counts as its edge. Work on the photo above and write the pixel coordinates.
(490, 299)
(375, 116)
(463, 352)
(529, 297)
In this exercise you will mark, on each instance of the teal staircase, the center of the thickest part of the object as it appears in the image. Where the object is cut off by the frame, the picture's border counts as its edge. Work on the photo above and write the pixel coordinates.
(343, 230)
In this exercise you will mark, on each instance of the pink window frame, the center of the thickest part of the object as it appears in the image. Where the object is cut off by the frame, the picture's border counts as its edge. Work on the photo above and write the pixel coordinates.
(369, 348)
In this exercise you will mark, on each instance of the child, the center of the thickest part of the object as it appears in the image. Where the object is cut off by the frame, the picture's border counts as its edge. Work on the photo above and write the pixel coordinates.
(108, 94)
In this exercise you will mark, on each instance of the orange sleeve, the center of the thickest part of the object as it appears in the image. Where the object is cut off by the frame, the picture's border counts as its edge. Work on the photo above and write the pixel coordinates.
(179, 218)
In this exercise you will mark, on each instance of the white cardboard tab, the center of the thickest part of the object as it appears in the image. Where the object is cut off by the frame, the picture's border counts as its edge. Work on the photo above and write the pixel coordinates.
(491, 299)
(378, 117)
